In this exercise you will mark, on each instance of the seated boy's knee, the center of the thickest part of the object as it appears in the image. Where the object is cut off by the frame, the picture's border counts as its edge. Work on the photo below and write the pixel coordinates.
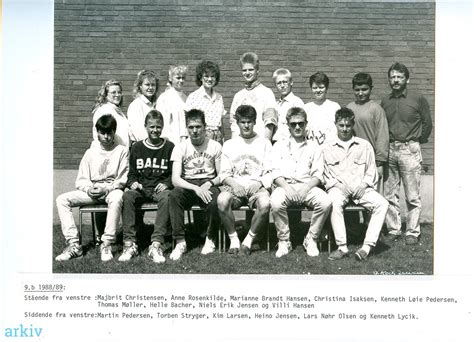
(326, 203)
(224, 201)
(264, 203)
(129, 196)
(383, 204)
(276, 203)
(61, 200)
(115, 196)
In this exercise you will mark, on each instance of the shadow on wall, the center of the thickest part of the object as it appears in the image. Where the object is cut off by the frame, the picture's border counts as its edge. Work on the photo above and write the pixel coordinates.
(64, 181)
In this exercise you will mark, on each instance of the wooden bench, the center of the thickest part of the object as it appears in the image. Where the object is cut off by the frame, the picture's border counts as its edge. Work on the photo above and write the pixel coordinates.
(221, 245)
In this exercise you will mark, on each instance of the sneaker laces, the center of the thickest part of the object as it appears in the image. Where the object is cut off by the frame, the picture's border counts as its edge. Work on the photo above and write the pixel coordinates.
(71, 250)
(132, 249)
(156, 249)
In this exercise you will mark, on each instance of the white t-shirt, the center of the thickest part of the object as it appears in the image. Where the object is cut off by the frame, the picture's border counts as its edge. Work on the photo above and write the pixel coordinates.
(321, 126)
(198, 162)
(247, 161)
(261, 98)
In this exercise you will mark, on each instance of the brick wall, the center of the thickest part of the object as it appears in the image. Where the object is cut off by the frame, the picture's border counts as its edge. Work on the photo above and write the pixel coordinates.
(96, 40)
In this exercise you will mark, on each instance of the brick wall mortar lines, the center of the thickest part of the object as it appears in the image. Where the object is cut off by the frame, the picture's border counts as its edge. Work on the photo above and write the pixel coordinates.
(94, 43)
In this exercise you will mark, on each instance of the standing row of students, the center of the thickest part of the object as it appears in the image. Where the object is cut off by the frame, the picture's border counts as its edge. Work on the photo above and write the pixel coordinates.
(270, 123)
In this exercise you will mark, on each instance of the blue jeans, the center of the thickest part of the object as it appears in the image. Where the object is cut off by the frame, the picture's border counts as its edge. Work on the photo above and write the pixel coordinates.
(404, 165)
(132, 200)
(182, 199)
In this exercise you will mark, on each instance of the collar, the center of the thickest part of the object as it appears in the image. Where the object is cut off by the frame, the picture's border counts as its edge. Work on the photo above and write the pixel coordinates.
(253, 85)
(402, 94)
(148, 144)
(145, 99)
(202, 92)
(249, 139)
(115, 107)
(293, 142)
(287, 98)
(341, 143)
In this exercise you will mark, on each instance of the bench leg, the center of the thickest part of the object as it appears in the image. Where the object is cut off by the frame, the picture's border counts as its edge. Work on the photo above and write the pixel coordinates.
(80, 227)
(93, 227)
(268, 237)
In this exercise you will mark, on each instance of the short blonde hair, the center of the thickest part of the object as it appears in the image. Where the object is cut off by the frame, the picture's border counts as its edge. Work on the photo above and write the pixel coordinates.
(281, 72)
(176, 69)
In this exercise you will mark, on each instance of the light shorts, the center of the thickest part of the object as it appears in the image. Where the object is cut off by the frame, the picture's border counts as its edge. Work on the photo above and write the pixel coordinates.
(237, 202)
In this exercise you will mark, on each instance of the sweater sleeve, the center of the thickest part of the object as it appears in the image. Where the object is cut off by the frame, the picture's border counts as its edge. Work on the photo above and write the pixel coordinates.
(121, 179)
(381, 135)
(133, 175)
(226, 163)
(426, 123)
(83, 180)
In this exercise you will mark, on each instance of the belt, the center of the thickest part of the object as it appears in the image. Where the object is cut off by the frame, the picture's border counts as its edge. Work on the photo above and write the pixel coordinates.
(403, 142)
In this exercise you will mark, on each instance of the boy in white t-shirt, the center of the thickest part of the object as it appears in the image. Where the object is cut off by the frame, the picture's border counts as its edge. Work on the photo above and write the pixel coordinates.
(246, 171)
(196, 163)
(256, 95)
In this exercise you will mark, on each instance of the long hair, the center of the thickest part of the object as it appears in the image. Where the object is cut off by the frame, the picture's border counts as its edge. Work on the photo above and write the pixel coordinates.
(103, 92)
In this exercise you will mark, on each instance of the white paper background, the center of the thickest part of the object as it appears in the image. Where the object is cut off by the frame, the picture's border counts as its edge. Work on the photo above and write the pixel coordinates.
(26, 211)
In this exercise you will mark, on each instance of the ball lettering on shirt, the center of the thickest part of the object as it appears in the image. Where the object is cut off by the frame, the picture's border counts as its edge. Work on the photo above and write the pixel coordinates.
(152, 163)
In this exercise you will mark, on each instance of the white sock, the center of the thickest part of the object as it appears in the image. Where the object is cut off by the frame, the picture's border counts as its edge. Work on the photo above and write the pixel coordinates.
(249, 239)
(234, 240)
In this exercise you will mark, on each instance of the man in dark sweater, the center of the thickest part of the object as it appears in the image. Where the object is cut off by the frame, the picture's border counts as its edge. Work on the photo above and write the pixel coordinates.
(149, 179)
(409, 125)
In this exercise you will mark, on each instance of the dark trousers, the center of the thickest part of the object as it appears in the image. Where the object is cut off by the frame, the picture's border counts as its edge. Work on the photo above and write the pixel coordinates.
(182, 199)
(132, 200)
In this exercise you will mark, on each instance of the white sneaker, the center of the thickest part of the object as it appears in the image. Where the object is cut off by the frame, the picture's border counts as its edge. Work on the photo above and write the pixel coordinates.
(284, 247)
(209, 247)
(156, 253)
(130, 250)
(106, 252)
(311, 247)
(74, 250)
(178, 251)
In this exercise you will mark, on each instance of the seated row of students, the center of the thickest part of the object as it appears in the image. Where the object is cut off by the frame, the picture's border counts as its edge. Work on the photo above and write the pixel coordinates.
(243, 171)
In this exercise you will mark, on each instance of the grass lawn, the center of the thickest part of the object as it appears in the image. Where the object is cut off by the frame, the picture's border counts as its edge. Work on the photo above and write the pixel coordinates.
(388, 259)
